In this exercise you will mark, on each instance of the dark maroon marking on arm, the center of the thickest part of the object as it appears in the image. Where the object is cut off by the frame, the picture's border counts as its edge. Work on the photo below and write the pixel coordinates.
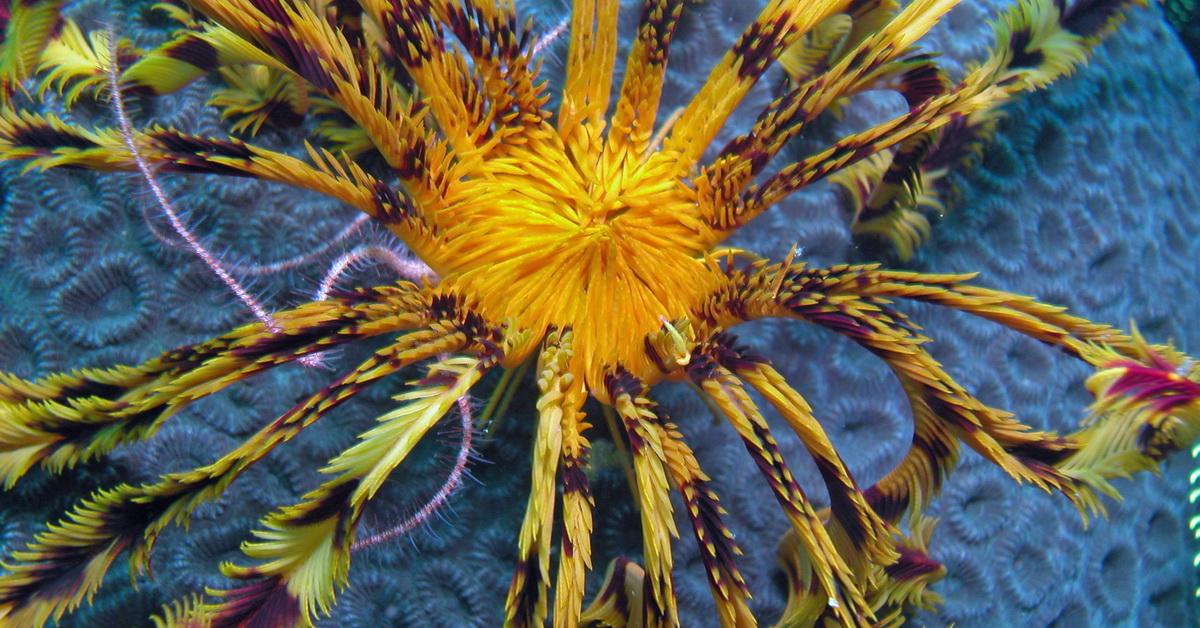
(295, 54)
(912, 564)
(498, 39)
(446, 306)
(702, 365)
(264, 603)
(452, 308)
(890, 507)
(652, 353)
(1051, 452)
(891, 504)
(861, 57)
(574, 482)
(770, 463)
(193, 51)
(59, 570)
(412, 161)
(735, 356)
(574, 478)
(657, 24)
(892, 317)
(439, 378)
(347, 18)
(633, 433)
(81, 434)
(568, 546)
(614, 587)
(401, 27)
(758, 46)
(91, 388)
(185, 145)
(40, 134)
(841, 504)
(953, 142)
(527, 596)
(842, 323)
(936, 450)
(1047, 472)
(1088, 18)
(1022, 56)
(948, 413)
(291, 340)
(704, 510)
(390, 206)
(736, 304)
(906, 165)
(335, 501)
(1155, 442)
(924, 81)
(621, 382)
(475, 328)
(861, 152)
(299, 58)
(279, 112)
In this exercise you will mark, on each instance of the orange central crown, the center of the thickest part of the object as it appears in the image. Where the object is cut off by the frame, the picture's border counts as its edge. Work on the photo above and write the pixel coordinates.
(565, 234)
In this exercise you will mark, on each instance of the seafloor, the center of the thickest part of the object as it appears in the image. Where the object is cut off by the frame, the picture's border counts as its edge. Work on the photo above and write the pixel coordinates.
(1088, 198)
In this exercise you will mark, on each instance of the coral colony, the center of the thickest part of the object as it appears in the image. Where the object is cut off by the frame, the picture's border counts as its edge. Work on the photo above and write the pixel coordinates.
(586, 241)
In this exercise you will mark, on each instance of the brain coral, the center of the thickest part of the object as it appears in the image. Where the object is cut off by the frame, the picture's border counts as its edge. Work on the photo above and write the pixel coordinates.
(1084, 199)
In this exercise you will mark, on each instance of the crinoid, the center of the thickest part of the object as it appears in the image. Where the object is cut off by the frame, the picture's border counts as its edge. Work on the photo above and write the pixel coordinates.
(575, 240)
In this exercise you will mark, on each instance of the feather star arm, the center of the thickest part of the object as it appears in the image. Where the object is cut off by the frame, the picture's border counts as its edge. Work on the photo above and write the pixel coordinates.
(67, 562)
(63, 419)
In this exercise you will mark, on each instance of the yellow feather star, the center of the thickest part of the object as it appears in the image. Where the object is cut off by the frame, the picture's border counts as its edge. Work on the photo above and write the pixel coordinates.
(573, 239)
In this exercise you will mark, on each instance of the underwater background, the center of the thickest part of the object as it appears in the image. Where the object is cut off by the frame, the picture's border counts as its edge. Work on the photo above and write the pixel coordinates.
(1086, 198)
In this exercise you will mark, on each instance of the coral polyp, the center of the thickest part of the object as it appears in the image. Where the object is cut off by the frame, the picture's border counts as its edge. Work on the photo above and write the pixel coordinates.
(589, 242)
